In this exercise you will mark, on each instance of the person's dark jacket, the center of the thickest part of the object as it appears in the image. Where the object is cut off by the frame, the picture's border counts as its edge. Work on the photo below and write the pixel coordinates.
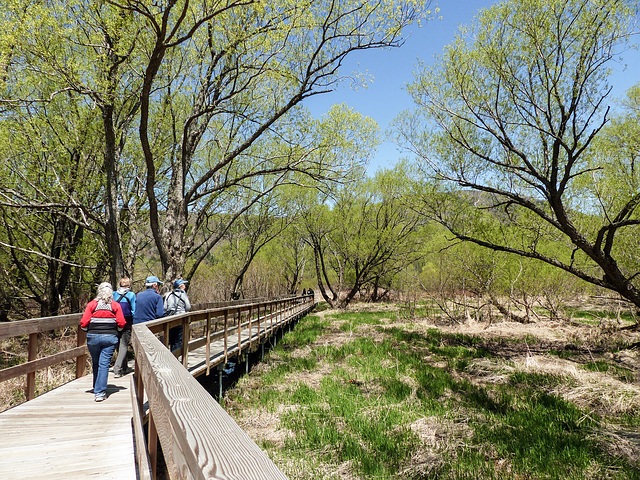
(149, 306)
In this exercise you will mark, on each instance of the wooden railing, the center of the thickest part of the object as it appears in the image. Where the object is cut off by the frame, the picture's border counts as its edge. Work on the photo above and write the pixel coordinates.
(37, 326)
(198, 438)
(34, 327)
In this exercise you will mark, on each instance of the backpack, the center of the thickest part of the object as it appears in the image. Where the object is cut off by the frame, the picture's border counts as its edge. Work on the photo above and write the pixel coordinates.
(126, 307)
(174, 306)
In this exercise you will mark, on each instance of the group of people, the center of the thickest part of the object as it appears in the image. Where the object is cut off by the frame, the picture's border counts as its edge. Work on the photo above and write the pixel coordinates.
(108, 319)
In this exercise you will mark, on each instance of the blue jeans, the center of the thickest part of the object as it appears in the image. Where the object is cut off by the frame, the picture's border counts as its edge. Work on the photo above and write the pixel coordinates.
(101, 348)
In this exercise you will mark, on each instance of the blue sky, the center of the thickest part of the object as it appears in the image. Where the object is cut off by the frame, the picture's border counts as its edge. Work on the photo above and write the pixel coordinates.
(392, 69)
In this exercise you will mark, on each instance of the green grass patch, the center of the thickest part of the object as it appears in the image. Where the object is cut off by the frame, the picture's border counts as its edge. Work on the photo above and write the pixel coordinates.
(373, 387)
(352, 320)
(418, 311)
(306, 332)
(595, 317)
(621, 373)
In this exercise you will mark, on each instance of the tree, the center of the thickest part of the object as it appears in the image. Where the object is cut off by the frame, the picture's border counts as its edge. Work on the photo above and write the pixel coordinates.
(364, 239)
(81, 54)
(223, 85)
(43, 229)
(514, 109)
(256, 228)
(292, 255)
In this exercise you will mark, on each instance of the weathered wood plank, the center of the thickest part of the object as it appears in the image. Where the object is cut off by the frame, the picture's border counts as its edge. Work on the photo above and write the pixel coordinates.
(64, 434)
(202, 438)
(142, 457)
(38, 325)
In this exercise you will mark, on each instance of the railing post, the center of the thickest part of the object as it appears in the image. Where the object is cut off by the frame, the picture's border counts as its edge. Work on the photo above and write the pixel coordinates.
(226, 333)
(31, 376)
(239, 313)
(186, 336)
(208, 344)
(250, 329)
(153, 445)
(165, 338)
(81, 361)
(139, 386)
(258, 315)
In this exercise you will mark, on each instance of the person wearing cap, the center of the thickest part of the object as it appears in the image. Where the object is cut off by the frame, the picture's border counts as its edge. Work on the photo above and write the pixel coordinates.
(149, 304)
(175, 303)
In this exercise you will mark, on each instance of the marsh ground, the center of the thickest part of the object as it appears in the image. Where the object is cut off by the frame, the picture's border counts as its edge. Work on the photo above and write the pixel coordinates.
(375, 393)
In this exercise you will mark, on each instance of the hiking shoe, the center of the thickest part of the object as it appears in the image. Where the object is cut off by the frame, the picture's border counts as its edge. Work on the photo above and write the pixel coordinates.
(100, 397)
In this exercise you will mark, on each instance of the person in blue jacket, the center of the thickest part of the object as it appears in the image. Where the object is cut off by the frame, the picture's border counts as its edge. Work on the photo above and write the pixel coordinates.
(127, 300)
(149, 302)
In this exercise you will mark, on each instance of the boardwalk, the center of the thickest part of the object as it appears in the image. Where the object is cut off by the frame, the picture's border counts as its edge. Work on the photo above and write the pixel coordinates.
(197, 359)
(64, 434)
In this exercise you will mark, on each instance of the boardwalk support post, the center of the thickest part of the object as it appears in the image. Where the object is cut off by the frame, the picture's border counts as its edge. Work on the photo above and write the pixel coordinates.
(220, 370)
(81, 361)
(31, 376)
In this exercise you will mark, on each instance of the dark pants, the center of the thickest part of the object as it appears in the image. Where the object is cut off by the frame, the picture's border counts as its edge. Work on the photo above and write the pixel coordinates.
(175, 338)
(120, 367)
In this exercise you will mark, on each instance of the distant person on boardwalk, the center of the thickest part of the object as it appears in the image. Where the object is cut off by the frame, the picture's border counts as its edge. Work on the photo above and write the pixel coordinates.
(175, 303)
(149, 305)
(102, 319)
(127, 300)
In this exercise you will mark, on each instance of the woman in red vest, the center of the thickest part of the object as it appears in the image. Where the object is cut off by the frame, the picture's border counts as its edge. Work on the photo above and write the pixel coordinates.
(102, 320)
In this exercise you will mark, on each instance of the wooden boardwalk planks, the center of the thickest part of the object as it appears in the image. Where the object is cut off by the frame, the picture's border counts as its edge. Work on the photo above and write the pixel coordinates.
(64, 434)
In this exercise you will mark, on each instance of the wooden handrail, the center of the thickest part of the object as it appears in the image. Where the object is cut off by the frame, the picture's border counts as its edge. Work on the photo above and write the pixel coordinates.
(33, 327)
(199, 439)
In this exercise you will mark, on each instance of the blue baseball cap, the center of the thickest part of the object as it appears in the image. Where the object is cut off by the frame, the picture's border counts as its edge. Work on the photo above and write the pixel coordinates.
(152, 279)
(177, 283)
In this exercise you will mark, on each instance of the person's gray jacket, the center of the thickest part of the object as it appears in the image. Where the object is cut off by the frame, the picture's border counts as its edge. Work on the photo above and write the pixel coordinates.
(176, 302)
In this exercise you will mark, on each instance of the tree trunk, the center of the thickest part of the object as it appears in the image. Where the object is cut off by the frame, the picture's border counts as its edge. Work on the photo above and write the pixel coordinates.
(112, 224)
